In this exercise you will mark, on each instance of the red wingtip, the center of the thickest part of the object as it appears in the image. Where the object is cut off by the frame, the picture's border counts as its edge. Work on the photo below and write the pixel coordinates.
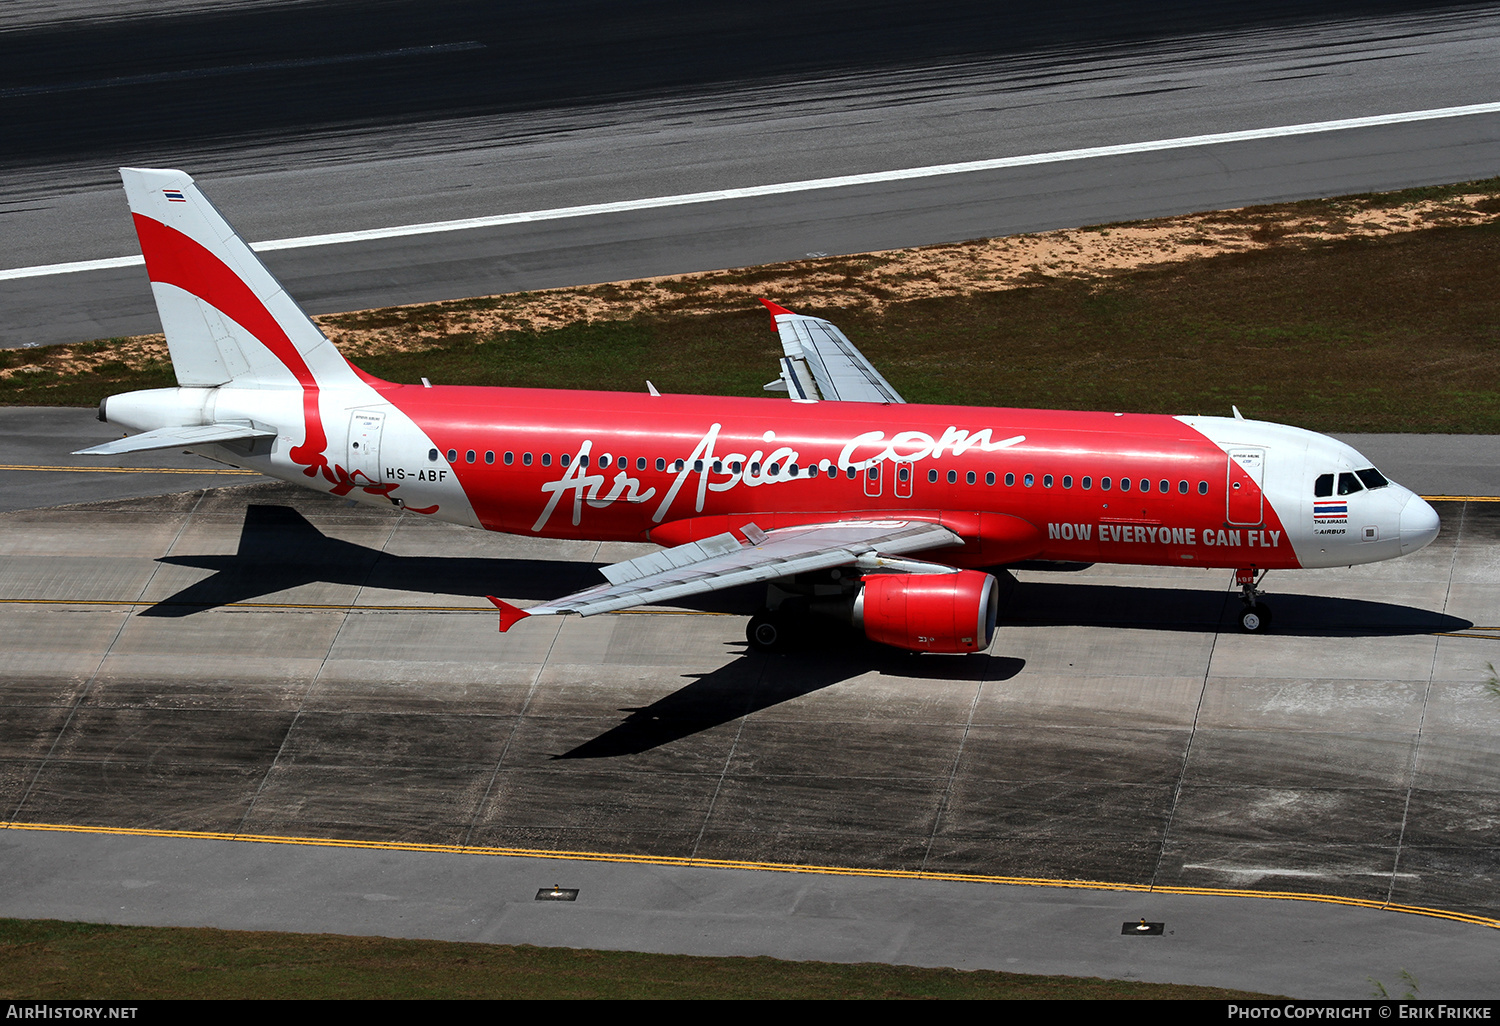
(775, 309)
(509, 614)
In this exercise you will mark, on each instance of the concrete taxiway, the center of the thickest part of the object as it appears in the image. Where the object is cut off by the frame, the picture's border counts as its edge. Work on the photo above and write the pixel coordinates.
(257, 661)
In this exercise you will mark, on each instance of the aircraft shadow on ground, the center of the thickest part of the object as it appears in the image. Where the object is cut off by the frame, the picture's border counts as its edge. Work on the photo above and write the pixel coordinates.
(753, 682)
(279, 550)
(1076, 604)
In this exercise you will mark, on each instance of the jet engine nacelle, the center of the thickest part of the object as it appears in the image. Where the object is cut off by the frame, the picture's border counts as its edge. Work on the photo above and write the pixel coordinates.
(929, 612)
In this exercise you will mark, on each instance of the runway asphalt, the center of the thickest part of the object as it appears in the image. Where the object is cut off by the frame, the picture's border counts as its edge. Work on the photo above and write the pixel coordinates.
(886, 112)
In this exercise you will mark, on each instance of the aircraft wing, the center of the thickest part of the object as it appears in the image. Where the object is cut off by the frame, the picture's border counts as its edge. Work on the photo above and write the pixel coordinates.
(726, 560)
(816, 347)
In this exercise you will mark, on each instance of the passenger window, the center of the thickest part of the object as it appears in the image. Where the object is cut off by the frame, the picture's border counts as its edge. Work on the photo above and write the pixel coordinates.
(469, 456)
(970, 477)
(640, 463)
(932, 477)
(1124, 484)
(489, 457)
(661, 464)
(1087, 482)
(452, 455)
(851, 472)
(989, 478)
(510, 458)
(1104, 484)
(1067, 480)
(1046, 480)
(432, 455)
(1182, 487)
(1166, 486)
(603, 461)
(624, 463)
(1349, 484)
(775, 469)
(1372, 478)
(698, 467)
(1010, 480)
(564, 459)
(525, 459)
(1029, 480)
(754, 468)
(953, 477)
(812, 470)
(1145, 485)
(1323, 486)
(547, 459)
(1202, 487)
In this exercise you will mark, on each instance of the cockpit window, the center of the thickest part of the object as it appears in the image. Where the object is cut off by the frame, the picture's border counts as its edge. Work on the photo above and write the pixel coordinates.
(1372, 478)
(1349, 484)
(1323, 487)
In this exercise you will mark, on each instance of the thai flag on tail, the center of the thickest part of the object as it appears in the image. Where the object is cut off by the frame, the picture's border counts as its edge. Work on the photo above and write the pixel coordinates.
(174, 196)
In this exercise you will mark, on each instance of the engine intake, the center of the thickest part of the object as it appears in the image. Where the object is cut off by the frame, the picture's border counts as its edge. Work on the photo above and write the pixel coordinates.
(929, 612)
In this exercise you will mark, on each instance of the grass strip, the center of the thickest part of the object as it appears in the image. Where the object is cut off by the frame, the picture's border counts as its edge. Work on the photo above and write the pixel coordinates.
(47, 959)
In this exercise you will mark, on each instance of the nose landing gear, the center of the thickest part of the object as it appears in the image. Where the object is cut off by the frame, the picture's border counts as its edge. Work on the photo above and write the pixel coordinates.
(1255, 615)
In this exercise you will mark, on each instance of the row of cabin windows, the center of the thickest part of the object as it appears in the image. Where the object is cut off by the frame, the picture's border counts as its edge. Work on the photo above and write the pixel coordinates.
(1086, 482)
(812, 470)
(623, 463)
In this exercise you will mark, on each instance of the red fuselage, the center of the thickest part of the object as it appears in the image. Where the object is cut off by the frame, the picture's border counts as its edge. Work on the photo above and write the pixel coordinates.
(1014, 484)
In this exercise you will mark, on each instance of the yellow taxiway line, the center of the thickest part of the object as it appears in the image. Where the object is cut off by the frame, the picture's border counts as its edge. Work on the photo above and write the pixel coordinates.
(772, 867)
(1468, 632)
(132, 470)
(328, 606)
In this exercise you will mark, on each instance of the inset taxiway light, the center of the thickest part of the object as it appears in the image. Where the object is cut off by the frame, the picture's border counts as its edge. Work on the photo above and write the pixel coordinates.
(1142, 929)
(556, 893)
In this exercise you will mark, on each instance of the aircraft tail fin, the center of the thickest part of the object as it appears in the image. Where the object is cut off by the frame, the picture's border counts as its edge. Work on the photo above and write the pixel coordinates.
(225, 316)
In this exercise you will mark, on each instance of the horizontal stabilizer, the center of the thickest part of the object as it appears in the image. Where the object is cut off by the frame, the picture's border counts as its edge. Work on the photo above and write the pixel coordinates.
(174, 437)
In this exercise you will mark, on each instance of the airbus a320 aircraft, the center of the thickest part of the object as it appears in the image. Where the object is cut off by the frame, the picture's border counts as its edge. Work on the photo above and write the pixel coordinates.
(844, 498)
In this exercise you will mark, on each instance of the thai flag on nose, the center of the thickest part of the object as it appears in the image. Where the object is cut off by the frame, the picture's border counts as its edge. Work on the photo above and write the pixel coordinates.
(1323, 510)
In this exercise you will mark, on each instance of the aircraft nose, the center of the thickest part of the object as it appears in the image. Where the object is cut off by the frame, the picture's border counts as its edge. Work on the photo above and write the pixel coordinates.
(1419, 524)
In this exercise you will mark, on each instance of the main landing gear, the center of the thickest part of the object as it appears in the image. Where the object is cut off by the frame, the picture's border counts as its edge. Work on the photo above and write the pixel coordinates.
(788, 621)
(784, 628)
(1255, 615)
(767, 631)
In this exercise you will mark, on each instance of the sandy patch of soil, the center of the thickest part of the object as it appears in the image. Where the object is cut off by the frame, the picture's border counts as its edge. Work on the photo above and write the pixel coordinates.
(865, 281)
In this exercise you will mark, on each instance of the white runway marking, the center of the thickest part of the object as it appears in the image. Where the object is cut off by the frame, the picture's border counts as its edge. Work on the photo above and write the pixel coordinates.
(754, 191)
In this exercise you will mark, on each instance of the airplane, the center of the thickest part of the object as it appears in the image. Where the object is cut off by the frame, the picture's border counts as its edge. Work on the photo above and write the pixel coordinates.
(842, 498)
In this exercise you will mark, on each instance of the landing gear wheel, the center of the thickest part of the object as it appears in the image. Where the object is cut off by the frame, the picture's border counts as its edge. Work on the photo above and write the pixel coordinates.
(1255, 619)
(766, 632)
